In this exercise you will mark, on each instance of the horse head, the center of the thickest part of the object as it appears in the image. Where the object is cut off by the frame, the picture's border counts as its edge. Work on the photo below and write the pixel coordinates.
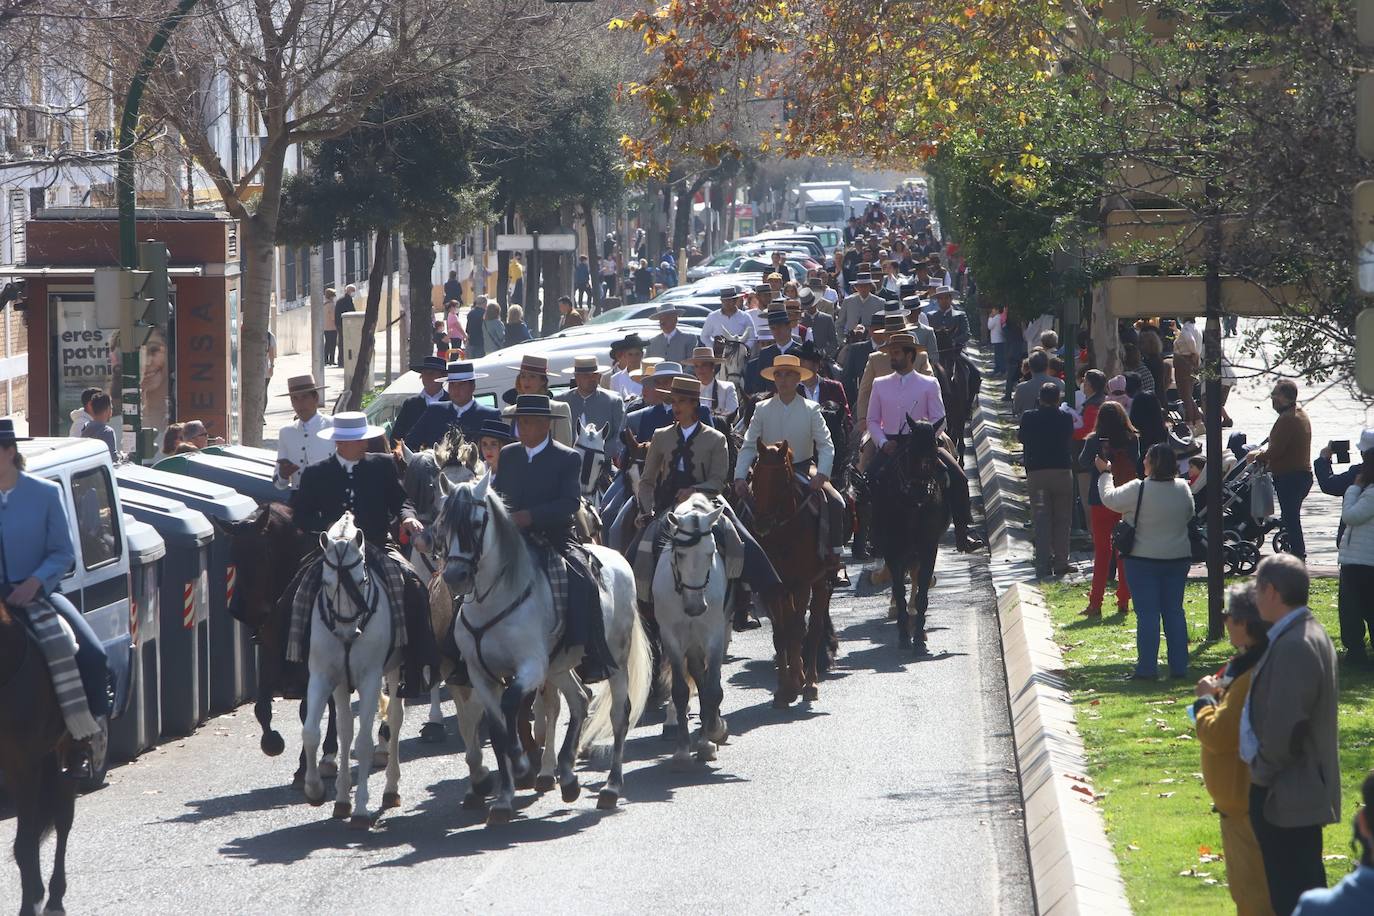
(344, 581)
(463, 529)
(919, 459)
(693, 549)
(774, 480)
(591, 442)
(420, 480)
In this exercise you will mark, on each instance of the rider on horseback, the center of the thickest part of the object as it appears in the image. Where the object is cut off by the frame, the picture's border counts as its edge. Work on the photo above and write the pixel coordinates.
(537, 477)
(35, 553)
(367, 485)
(906, 396)
(946, 318)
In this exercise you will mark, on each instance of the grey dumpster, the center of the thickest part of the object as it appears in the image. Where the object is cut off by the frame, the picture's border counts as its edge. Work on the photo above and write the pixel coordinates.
(262, 456)
(251, 478)
(138, 729)
(183, 608)
(233, 668)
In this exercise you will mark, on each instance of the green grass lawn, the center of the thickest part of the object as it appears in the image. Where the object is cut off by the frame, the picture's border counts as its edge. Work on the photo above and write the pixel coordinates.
(1144, 759)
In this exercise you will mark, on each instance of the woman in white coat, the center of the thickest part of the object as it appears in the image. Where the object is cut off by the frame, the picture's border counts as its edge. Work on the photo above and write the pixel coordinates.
(1356, 546)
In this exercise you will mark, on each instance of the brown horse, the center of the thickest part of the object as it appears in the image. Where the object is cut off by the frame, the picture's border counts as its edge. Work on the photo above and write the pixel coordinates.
(267, 550)
(31, 730)
(958, 388)
(788, 528)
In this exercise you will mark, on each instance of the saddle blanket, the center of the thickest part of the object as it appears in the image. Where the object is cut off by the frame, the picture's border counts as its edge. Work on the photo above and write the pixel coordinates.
(389, 568)
(57, 644)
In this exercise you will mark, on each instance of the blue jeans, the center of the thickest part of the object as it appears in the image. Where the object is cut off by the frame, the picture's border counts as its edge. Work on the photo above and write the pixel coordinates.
(999, 358)
(1157, 591)
(1291, 488)
(90, 657)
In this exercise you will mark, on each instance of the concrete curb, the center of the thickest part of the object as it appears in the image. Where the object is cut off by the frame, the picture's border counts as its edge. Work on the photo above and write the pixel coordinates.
(1073, 867)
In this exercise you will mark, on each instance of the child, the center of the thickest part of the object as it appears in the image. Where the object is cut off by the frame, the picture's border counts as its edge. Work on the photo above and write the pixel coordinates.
(440, 340)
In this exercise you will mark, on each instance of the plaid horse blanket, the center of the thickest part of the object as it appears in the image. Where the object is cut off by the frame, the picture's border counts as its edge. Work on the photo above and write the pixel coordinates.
(57, 644)
(387, 565)
(651, 544)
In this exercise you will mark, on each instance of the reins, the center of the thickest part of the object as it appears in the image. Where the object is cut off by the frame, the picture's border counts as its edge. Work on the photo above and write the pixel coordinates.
(689, 541)
(364, 605)
(764, 526)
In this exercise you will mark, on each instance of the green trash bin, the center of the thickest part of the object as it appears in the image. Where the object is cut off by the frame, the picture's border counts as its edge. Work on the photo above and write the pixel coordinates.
(233, 668)
(183, 631)
(251, 478)
(138, 729)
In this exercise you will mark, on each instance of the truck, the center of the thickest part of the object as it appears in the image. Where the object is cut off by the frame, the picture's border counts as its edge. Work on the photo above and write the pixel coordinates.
(824, 203)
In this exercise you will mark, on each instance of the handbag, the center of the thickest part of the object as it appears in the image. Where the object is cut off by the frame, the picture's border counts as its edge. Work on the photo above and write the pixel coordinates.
(1123, 534)
(1262, 496)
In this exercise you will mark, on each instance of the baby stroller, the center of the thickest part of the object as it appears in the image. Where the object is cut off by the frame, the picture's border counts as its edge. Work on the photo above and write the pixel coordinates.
(1242, 533)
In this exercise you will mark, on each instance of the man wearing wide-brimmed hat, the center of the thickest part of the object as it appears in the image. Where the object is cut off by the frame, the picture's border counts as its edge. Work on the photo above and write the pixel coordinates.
(656, 414)
(298, 445)
(433, 371)
(628, 354)
(859, 308)
(824, 331)
(790, 417)
(532, 377)
(537, 477)
(670, 343)
(780, 327)
(588, 402)
(459, 411)
(945, 319)
(365, 484)
(728, 320)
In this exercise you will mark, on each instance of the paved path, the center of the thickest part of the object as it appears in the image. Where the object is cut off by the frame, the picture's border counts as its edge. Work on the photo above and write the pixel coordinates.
(279, 413)
(896, 791)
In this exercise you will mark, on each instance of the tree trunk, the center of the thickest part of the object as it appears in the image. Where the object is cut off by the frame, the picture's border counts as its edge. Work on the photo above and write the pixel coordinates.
(421, 260)
(593, 252)
(317, 312)
(503, 263)
(682, 218)
(257, 252)
(376, 278)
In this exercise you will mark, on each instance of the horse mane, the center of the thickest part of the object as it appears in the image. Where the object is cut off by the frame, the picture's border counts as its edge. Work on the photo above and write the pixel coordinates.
(508, 541)
(344, 529)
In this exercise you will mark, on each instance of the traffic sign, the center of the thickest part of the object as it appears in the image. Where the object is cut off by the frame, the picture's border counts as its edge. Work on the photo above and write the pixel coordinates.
(1364, 351)
(561, 242)
(558, 242)
(514, 242)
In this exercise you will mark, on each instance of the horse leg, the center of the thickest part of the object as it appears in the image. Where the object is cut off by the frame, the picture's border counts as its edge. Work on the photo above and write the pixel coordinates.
(513, 698)
(712, 723)
(432, 732)
(329, 763)
(379, 750)
(898, 571)
(315, 699)
(578, 698)
(395, 714)
(814, 647)
(696, 666)
(682, 695)
(532, 744)
(269, 674)
(63, 797)
(610, 793)
(369, 700)
(546, 733)
(922, 577)
(796, 635)
(503, 804)
(783, 613)
(469, 712)
(343, 786)
(24, 788)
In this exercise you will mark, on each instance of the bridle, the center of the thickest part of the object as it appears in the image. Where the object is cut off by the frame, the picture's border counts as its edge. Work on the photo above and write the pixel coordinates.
(766, 525)
(362, 595)
(588, 463)
(471, 534)
(683, 541)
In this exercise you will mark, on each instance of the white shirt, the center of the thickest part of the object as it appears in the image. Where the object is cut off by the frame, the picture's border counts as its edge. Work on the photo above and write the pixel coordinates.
(299, 444)
(623, 385)
(347, 465)
(436, 398)
(531, 452)
(995, 330)
(460, 409)
(725, 395)
(1188, 340)
(738, 325)
(812, 393)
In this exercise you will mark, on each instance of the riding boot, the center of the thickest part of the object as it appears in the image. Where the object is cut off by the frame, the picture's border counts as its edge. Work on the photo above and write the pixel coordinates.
(420, 658)
(586, 627)
(742, 620)
(78, 765)
(960, 505)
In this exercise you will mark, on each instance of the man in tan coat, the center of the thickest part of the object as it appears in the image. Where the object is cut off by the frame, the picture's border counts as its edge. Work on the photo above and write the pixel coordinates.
(687, 457)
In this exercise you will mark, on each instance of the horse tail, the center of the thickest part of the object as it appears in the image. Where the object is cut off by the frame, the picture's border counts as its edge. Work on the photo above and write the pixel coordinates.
(639, 670)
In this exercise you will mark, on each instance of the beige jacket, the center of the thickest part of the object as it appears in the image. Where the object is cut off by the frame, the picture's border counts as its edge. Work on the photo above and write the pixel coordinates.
(709, 464)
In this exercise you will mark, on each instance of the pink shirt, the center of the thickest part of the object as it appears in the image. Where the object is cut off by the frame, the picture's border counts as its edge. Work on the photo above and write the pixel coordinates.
(896, 397)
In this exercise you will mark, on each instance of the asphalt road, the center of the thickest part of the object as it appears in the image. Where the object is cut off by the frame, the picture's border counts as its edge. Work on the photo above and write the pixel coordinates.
(895, 791)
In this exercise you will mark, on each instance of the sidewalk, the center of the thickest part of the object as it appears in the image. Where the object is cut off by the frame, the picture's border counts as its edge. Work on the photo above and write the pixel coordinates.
(279, 413)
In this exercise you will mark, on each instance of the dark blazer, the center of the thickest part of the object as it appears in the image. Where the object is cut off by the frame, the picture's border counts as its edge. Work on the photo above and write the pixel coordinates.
(373, 493)
(546, 487)
(476, 346)
(342, 306)
(411, 409)
(855, 361)
(438, 419)
(645, 421)
(754, 382)
(824, 334)
(831, 390)
(956, 321)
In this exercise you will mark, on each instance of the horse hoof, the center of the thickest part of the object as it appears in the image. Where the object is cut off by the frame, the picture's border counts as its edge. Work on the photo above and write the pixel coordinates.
(782, 700)
(272, 744)
(920, 648)
(669, 732)
(298, 781)
(433, 733)
(544, 784)
(498, 816)
(485, 786)
(316, 798)
(472, 801)
(606, 800)
(706, 752)
(391, 800)
(360, 824)
(681, 761)
(329, 769)
(571, 790)
(526, 782)
(342, 810)
(810, 693)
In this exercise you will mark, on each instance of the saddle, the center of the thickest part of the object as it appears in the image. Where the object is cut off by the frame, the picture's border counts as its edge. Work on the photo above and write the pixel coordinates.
(729, 544)
(390, 571)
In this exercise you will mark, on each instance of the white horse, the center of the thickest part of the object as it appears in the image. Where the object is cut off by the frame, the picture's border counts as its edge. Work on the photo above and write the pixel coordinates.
(689, 604)
(591, 443)
(509, 634)
(351, 648)
(429, 477)
(735, 356)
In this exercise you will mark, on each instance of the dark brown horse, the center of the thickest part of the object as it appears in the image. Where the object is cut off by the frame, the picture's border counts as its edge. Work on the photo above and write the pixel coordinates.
(31, 730)
(908, 521)
(958, 388)
(787, 525)
(267, 551)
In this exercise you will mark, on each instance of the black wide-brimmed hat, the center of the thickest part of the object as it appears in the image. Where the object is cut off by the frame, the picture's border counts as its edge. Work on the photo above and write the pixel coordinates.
(7, 436)
(533, 405)
(495, 429)
(430, 364)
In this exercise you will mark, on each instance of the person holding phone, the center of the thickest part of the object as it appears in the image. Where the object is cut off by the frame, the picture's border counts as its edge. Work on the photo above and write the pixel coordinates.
(1355, 541)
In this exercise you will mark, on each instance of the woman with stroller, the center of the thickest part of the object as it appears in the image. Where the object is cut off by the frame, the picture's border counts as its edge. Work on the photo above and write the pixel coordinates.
(1115, 439)
(1159, 508)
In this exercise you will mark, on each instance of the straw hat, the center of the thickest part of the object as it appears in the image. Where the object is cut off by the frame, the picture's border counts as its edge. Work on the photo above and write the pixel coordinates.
(787, 362)
(301, 384)
(585, 364)
(646, 368)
